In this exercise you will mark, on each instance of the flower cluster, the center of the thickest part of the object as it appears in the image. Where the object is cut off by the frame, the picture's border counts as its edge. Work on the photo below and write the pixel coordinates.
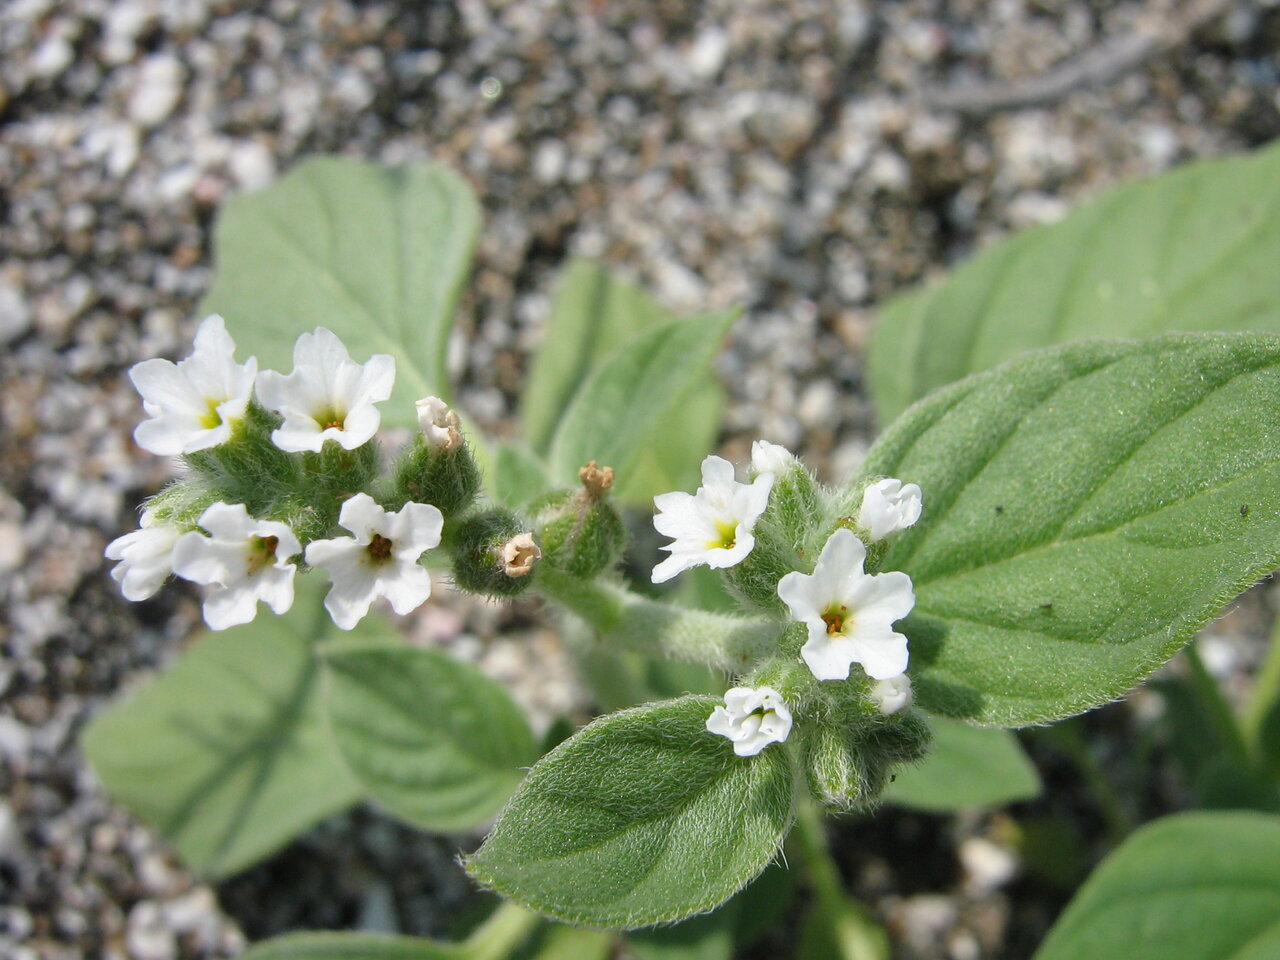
(253, 509)
(848, 613)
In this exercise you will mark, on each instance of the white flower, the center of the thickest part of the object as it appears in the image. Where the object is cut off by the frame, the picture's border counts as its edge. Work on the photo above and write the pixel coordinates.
(381, 560)
(752, 719)
(438, 423)
(713, 525)
(245, 559)
(889, 505)
(194, 403)
(892, 694)
(144, 557)
(850, 613)
(328, 396)
(772, 458)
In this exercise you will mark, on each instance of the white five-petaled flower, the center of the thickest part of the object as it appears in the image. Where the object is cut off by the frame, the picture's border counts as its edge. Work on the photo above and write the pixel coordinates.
(850, 613)
(328, 396)
(892, 694)
(752, 719)
(145, 557)
(713, 525)
(195, 403)
(243, 558)
(380, 560)
(772, 458)
(889, 505)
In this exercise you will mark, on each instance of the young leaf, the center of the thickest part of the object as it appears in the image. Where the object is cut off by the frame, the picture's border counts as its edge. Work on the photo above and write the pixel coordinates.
(967, 767)
(227, 754)
(518, 475)
(1087, 509)
(431, 738)
(632, 399)
(592, 313)
(1198, 886)
(1193, 250)
(642, 817)
(376, 254)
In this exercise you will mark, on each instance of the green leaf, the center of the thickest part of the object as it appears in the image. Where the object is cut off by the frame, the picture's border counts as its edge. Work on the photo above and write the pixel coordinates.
(432, 739)
(1087, 509)
(642, 817)
(968, 767)
(376, 254)
(518, 475)
(352, 946)
(1193, 250)
(558, 942)
(636, 399)
(227, 754)
(592, 313)
(671, 457)
(1197, 886)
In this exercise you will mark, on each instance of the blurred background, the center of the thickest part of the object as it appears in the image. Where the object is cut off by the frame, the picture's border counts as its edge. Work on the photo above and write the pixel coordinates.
(801, 159)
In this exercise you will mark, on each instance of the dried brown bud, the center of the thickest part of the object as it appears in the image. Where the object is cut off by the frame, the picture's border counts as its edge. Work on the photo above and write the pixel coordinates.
(519, 554)
(595, 480)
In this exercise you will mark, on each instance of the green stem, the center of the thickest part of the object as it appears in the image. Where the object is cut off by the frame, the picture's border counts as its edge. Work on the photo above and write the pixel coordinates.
(627, 621)
(854, 932)
(1119, 820)
(498, 937)
(1224, 718)
(1266, 692)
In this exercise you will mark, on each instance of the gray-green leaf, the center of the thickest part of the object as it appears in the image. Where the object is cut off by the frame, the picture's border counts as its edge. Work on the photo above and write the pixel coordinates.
(1193, 250)
(592, 313)
(1087, 509)
(967, 767)
(376, 254)
(432, 739)
(1199, 886)
(642, 817)
(655, 379)
(228, 754)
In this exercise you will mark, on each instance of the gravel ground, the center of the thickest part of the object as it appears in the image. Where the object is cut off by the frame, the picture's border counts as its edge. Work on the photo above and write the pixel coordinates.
(777, 154)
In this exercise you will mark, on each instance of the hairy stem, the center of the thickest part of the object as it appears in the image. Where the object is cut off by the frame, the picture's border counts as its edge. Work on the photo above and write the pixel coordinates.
(1266, 693)
(1224, 718)
(499, 936)
(853, 932)
(626, 621)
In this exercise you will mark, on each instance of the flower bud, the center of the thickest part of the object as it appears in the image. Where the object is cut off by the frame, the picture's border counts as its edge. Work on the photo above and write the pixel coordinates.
(580, 532)
(834, 767)
(493, 554)
(438, 423)
(437, 466)
(849, 761)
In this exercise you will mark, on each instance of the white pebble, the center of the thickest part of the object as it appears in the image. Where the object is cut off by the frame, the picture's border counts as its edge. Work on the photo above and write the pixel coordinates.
(15, 313)
(157, 89)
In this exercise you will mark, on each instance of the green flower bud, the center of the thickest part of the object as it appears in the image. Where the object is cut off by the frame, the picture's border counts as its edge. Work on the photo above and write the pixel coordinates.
(782, 533)
(493, 554)
(437, 467)
(579, 531)
(850, 755)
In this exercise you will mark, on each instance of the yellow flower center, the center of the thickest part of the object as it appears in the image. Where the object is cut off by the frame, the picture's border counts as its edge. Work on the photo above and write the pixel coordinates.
(728, 536)
(835, 617)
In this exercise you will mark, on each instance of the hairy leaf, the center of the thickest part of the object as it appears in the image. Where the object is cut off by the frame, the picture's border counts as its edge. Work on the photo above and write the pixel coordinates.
(376, 254)
(1199, 886)
(430, 738)
(967, 767)
(650, 391)
(592, 313)
(1193, 250)
(642, 817)
(227, 754)
(1087, 509)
